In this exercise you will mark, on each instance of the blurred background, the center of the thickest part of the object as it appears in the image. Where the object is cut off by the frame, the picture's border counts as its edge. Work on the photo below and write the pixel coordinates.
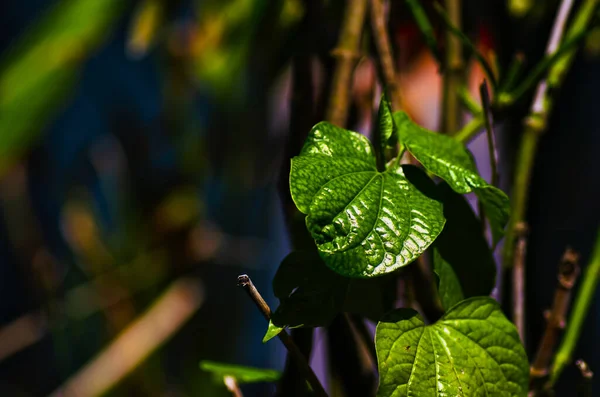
(144, 154)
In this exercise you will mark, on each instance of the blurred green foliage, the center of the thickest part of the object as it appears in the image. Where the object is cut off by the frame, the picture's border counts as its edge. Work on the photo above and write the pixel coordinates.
(37, 74)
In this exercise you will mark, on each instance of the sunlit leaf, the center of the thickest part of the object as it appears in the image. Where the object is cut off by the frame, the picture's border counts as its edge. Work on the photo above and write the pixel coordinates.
(472, 351)
(450, 160)
(365, 222)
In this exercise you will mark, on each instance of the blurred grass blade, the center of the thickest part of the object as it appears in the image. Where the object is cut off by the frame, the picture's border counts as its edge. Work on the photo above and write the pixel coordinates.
(425, 27)
(544, 66)
(144, 27)
(38, 71)
(489, 70)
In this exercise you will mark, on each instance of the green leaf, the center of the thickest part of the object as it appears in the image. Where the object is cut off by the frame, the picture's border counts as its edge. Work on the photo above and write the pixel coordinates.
(240, 373)
(272, 331)
(310, 294)
(462, 258)
(451, 161)
(472, 351)
(365, 222)
(387, 129)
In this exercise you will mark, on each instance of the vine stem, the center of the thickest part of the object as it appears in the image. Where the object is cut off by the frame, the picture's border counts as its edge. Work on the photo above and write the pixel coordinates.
(582, 303)
(535, 125)
(346, 53)
(489, 128)
(453, 71)
(384, 52)
(246, 283)
(568, 271)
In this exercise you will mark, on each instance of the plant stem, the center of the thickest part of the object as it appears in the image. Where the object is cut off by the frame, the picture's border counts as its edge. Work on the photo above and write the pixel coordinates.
(519, 282)
(470, 130)
(245, 282)
(489, 127)
(425, 27)
(535, 125)
(346, 53)
(453, 71)
(568, 271)
(384, 51)
(582, 302)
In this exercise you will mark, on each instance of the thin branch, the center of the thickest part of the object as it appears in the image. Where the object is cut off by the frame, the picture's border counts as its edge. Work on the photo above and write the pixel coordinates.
(232, 385)
(346, 53)
(455, 30)
(584, 388)
(581, 305)
(425, 27)
(535, 125)
(384, 52)
(454, 71)
(489, 127)
(245, 282)
(568, 271)
(518, 298)
(512, 74)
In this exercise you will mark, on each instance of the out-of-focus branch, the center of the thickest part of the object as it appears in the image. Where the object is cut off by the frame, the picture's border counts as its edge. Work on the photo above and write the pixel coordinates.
(136, 342)
(454, 71)
(384, 52)
(535, 124)
(583, 300)
(568, 271)
(246, 283)
(489, 127)
(518, 299)
(346, 53)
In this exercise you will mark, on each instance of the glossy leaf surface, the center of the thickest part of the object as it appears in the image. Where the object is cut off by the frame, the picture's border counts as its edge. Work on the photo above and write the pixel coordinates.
(472, 351)
(240, 373)
(365, 223)
(450, 160)
(462, 258)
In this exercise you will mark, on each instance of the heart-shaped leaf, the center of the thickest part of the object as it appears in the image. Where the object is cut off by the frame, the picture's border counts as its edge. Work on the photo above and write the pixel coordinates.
(451, 161)
(365, 222)
(311, 294)
(240, 373)
(462, 258)
(472, 351)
